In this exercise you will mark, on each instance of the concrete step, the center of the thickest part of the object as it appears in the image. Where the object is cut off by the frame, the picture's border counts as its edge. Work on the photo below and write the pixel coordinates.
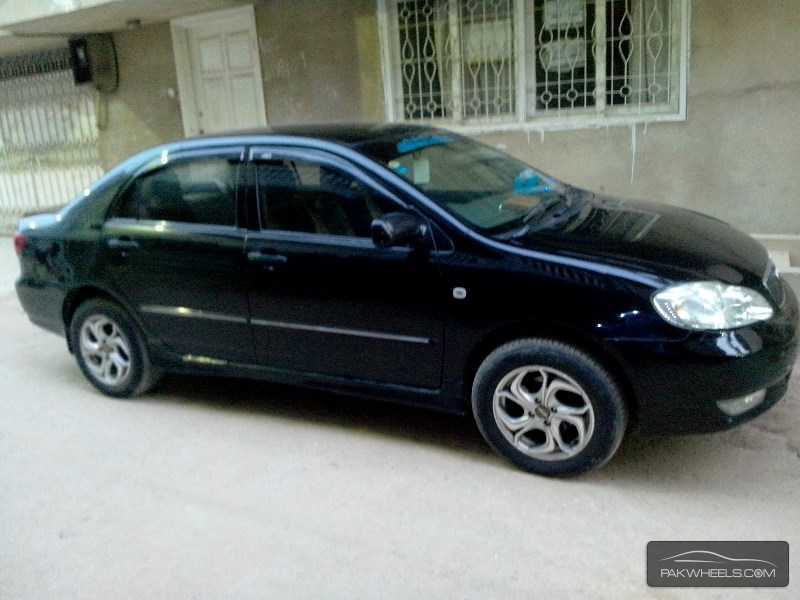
(785, 252)
(781, 259)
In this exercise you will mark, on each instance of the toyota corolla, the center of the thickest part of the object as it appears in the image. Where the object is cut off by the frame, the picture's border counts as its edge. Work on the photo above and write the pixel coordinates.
(413, 264)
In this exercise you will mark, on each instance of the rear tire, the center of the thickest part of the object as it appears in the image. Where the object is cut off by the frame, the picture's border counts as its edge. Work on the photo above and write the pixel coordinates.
(110, 349)
(548, 407)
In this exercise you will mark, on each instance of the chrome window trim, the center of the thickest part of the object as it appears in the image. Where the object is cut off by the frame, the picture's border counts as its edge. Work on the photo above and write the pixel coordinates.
(324, 239)
(300, 237)
(174, 227)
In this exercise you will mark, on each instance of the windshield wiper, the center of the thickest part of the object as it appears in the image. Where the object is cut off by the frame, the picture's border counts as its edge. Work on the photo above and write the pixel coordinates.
(537, 211)
(541, 208)
(551, 213)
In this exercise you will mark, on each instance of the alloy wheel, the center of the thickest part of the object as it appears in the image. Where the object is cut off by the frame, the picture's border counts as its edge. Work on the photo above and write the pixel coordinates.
(543, 413)
(105, 350)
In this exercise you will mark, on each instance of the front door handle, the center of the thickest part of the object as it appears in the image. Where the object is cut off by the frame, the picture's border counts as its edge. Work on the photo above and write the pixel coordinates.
(266, 258)
(123, 243)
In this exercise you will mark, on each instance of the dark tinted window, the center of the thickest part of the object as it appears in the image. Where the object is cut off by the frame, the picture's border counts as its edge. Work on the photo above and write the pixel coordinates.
(197, 191)
(312, 198)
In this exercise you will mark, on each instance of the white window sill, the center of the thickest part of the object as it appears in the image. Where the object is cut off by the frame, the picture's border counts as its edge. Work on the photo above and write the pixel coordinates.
(575, 122)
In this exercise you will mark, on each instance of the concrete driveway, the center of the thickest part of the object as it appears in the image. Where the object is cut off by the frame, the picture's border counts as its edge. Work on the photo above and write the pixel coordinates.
(229, 489)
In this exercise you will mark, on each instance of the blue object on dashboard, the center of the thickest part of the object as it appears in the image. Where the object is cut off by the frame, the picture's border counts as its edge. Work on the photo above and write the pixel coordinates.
(418, 143)
(528, 183)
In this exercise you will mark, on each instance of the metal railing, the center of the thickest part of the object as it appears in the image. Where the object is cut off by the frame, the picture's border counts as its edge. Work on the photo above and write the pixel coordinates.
(484, 64)
(48, 135)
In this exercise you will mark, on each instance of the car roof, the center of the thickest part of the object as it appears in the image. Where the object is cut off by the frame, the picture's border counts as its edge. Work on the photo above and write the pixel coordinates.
(351, 136)
(345, 134)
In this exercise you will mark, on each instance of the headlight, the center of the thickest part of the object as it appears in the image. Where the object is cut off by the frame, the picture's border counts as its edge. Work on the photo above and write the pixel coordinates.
(711, 305)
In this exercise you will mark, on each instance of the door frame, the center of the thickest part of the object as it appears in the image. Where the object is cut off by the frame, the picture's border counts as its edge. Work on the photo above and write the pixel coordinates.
(284, 240)
(181, 29)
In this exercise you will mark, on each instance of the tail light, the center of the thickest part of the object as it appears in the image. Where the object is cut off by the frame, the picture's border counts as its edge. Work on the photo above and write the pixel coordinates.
(19, 243)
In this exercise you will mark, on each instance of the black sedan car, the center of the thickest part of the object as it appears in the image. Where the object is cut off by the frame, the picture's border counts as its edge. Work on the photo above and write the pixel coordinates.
(413, 264)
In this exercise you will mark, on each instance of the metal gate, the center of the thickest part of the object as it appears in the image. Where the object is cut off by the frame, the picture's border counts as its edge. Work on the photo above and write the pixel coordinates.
(48, 135)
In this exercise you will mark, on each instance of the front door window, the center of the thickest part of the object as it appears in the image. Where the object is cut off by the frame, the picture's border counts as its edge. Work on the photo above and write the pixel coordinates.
(306, 197)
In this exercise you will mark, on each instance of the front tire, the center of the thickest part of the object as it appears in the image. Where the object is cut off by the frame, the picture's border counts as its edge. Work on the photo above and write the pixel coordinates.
(110, 350)
(548, 407)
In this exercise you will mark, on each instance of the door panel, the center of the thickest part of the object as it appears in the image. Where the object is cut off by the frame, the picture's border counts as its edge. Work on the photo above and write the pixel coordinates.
(335, 304)
(177, 255)
(211, 55)
(244, 89)
(211, 88)
(351, 311)
(215, 99)
(225, 71)
(182, 278)
(240, 51)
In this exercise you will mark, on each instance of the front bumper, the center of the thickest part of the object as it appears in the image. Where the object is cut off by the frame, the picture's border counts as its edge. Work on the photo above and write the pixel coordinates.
(677, 384)
(706, 417)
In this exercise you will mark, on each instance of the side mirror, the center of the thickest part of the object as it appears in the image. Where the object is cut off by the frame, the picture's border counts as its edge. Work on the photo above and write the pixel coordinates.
(398, 229)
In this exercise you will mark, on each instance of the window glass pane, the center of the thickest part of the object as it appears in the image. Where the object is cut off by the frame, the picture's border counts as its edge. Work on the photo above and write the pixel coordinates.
(638, 49)
(198, 191)
(564, 54)
(311, 198)
(427, 51)
(456, 58)
(128, 207)
(500, 193)
(487, 32)
(640, 56)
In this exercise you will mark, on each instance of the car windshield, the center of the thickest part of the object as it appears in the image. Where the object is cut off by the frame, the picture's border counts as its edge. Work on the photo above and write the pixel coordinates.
(478, 184)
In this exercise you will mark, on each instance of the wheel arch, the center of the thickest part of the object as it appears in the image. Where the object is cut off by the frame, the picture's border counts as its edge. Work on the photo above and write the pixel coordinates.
(80, 294)
(594, 347)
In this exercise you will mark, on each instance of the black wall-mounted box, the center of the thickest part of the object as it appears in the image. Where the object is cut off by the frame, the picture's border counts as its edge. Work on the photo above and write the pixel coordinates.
(81, 63)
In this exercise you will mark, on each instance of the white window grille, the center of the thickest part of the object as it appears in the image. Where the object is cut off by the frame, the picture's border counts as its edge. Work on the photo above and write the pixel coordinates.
(48, 135)
(536, 64)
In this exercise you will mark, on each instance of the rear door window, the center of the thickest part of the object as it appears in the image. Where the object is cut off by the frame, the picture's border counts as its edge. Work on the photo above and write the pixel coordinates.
(199, 190)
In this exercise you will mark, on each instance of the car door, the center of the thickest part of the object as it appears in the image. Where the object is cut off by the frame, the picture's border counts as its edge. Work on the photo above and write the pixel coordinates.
(323, 298)
(175, 251)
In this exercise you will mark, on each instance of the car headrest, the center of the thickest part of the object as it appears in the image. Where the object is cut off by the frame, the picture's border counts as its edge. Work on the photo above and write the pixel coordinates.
(166, 186)
(276, 174)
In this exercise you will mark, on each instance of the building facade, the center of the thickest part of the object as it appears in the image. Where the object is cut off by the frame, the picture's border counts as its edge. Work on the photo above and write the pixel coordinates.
(690, 102)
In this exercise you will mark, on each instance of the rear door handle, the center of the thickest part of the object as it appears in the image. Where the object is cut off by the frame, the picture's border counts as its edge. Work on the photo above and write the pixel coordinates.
(123, 243)
(266, 258)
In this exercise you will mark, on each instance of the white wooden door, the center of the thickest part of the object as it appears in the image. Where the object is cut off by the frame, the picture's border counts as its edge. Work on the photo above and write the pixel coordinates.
(223, 88)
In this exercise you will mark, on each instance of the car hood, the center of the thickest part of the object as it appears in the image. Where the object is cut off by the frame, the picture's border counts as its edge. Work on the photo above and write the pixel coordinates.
(676, 242)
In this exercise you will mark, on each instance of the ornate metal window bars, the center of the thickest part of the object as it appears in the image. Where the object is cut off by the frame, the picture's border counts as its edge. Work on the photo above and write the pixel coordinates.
(501, 64)
(48, 135)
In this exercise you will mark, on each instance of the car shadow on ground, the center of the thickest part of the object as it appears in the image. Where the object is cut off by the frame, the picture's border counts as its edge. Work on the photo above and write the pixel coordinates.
(326, 409)
(639, 458)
